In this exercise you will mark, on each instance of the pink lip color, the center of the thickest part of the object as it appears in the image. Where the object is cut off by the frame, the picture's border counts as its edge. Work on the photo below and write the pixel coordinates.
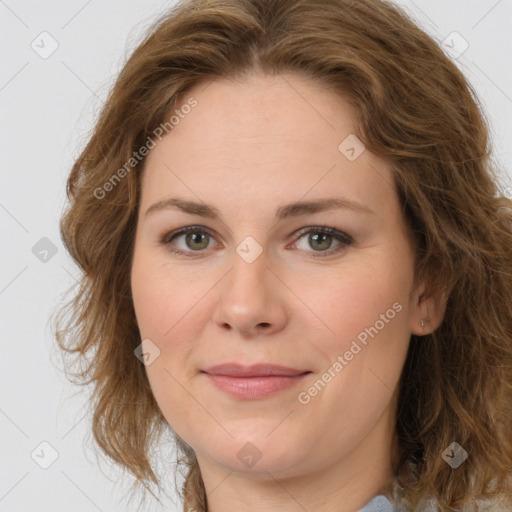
(253, 387)
(253, 382)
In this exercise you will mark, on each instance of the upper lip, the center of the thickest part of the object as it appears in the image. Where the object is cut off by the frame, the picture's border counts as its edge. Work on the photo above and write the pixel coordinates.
(256, 370)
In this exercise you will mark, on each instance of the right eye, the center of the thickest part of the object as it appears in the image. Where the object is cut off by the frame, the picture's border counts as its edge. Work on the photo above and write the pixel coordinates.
(196, 237)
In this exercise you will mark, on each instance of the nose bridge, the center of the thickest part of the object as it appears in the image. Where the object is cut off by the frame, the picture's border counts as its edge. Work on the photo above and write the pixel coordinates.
(249, 267)
(247, 297)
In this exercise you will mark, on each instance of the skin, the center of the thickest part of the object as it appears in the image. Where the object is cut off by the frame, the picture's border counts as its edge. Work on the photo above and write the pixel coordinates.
(249, 147)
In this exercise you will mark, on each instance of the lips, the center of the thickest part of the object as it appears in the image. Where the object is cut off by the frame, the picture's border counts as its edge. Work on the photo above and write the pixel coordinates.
(253, 382)
(256, 370)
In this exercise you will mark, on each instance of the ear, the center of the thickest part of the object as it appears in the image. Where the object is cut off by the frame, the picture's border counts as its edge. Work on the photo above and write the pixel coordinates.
(428, 307)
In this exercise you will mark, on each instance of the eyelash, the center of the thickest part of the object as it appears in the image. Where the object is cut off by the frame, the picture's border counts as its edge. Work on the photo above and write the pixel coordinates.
(345, 239)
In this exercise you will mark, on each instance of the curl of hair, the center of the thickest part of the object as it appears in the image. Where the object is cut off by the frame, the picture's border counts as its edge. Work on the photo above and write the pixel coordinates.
(414, 108)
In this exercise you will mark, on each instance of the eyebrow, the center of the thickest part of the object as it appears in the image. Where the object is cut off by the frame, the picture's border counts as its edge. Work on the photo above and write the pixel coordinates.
(289, 210)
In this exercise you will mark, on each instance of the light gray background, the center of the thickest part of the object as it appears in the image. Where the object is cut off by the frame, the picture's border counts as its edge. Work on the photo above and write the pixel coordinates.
(47, 109)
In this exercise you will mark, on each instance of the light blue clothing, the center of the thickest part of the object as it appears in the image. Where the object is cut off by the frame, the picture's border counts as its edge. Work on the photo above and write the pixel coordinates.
(378, 504)
(381, 503)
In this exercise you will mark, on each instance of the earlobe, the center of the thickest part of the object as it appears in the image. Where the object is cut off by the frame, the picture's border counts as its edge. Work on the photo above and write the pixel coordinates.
(424, 319)
(429, 312)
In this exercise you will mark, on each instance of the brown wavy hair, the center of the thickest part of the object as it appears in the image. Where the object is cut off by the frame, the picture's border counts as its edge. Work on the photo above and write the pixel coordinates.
(414, 108)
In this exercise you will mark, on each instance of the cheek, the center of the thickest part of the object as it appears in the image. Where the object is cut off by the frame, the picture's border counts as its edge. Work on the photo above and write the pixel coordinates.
(159, 304)
(364, 357)
(349, 304)
(366, 312)
(169, 313)
(170, 319)
(164, 302)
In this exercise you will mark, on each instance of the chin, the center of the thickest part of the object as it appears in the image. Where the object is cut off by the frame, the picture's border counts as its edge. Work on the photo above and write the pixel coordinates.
(257, 454)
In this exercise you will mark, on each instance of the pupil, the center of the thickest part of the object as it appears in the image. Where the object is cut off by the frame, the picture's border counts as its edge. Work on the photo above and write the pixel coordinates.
(193, 236)
(318, 236)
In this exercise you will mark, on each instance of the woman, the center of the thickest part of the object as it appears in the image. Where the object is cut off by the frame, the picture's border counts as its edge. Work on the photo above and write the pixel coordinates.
(340, 337)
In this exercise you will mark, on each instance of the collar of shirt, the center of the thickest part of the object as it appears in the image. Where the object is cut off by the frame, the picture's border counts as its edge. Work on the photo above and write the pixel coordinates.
(378, 504)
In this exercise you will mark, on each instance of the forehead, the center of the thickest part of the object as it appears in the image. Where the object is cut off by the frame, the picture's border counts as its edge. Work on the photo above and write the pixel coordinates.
(279, 137)
(263, 106)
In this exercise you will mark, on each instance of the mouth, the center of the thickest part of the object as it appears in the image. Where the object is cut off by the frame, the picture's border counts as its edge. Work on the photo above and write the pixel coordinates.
(253, 382)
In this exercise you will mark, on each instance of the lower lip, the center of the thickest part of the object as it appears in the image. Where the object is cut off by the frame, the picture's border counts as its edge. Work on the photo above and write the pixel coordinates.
(252, 388)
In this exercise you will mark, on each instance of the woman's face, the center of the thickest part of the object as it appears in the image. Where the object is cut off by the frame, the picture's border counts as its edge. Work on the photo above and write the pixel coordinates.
(256, 282)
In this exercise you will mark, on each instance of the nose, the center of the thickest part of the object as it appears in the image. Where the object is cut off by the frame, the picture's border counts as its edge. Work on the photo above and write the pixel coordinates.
(251, 299)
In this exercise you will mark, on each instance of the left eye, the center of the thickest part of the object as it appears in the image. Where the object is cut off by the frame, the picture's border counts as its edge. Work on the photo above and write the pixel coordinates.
(197, 240)
(322, 238)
